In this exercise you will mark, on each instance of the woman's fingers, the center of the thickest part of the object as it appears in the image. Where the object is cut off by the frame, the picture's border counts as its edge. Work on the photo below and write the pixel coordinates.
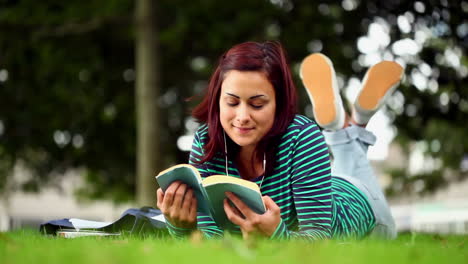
(253, 223)
(233, 216)
(193, 207)
(272, 218)
(271, 205)
(186, 206)
(159, 197)
(241, 206)
(179, 196)
(187, 200)
(236, 211)
(170, 193)
(178, 204)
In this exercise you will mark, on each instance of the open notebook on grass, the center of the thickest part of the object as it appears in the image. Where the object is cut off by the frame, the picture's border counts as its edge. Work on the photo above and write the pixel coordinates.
(138, 222)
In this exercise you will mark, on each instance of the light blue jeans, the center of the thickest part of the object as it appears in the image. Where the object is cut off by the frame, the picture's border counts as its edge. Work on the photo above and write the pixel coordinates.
(349, 149)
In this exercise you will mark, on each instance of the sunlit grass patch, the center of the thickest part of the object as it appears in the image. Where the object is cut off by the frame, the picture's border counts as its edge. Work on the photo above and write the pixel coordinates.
(26, 246)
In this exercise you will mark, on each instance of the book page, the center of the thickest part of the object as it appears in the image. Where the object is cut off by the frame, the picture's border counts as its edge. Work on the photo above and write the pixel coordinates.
(80, 223)
(73, 234)
(159, 218)
(228, 179)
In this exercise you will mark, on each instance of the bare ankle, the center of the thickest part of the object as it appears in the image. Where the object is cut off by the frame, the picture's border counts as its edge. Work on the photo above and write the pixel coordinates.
(347, 120)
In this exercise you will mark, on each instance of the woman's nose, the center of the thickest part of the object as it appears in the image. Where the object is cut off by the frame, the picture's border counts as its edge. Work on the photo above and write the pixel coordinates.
(243, 115)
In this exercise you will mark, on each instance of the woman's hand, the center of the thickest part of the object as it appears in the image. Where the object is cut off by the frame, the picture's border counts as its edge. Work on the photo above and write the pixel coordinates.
(250, 222)
(178, 204)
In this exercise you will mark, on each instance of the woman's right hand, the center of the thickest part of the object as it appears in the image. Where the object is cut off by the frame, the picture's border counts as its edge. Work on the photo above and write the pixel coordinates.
(178, 204)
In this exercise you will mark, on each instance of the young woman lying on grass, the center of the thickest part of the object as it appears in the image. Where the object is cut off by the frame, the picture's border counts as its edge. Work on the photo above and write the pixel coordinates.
(251, 130)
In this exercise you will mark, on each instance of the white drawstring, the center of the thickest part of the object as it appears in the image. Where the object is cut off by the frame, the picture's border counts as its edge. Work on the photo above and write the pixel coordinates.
(264, 170)
(225, 152)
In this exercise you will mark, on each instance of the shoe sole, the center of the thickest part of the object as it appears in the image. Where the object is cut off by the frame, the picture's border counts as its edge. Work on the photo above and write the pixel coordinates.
(317, 75)
(379, 79)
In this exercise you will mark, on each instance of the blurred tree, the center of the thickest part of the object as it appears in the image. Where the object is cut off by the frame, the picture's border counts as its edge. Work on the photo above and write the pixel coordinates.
(66, 95)
(67, 71)
(147, 92)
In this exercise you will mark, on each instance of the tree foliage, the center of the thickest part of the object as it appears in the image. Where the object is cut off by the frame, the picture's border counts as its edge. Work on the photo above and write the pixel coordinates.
(67, 100)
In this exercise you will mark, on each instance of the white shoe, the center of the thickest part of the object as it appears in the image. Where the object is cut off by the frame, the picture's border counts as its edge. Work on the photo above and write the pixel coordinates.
(378, 84)
(319, 79)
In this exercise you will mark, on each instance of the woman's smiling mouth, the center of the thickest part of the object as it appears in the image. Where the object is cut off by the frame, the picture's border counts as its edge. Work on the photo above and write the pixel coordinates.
(243, 130)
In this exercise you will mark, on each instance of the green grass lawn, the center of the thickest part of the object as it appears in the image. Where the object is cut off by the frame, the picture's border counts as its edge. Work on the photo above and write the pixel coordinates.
(26, 246)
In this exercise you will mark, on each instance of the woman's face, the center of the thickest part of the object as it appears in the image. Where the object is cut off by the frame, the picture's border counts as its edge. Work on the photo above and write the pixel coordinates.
(247, 106)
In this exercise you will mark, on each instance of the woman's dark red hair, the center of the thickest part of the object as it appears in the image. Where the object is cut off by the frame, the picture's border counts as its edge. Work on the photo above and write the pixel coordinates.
(269, 58)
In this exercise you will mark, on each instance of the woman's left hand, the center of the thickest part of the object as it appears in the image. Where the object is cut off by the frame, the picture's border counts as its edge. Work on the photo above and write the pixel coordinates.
(250, 222)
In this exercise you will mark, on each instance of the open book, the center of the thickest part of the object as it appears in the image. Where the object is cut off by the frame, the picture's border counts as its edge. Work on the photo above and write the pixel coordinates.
(72, 233)
(138, 222)
(210, 192)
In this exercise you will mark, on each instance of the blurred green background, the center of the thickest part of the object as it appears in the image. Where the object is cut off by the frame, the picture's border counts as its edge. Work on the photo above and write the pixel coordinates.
(69, 74)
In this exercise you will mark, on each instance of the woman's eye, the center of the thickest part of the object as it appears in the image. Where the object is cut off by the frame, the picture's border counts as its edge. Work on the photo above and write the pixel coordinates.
(232, 103)
(257, 106)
